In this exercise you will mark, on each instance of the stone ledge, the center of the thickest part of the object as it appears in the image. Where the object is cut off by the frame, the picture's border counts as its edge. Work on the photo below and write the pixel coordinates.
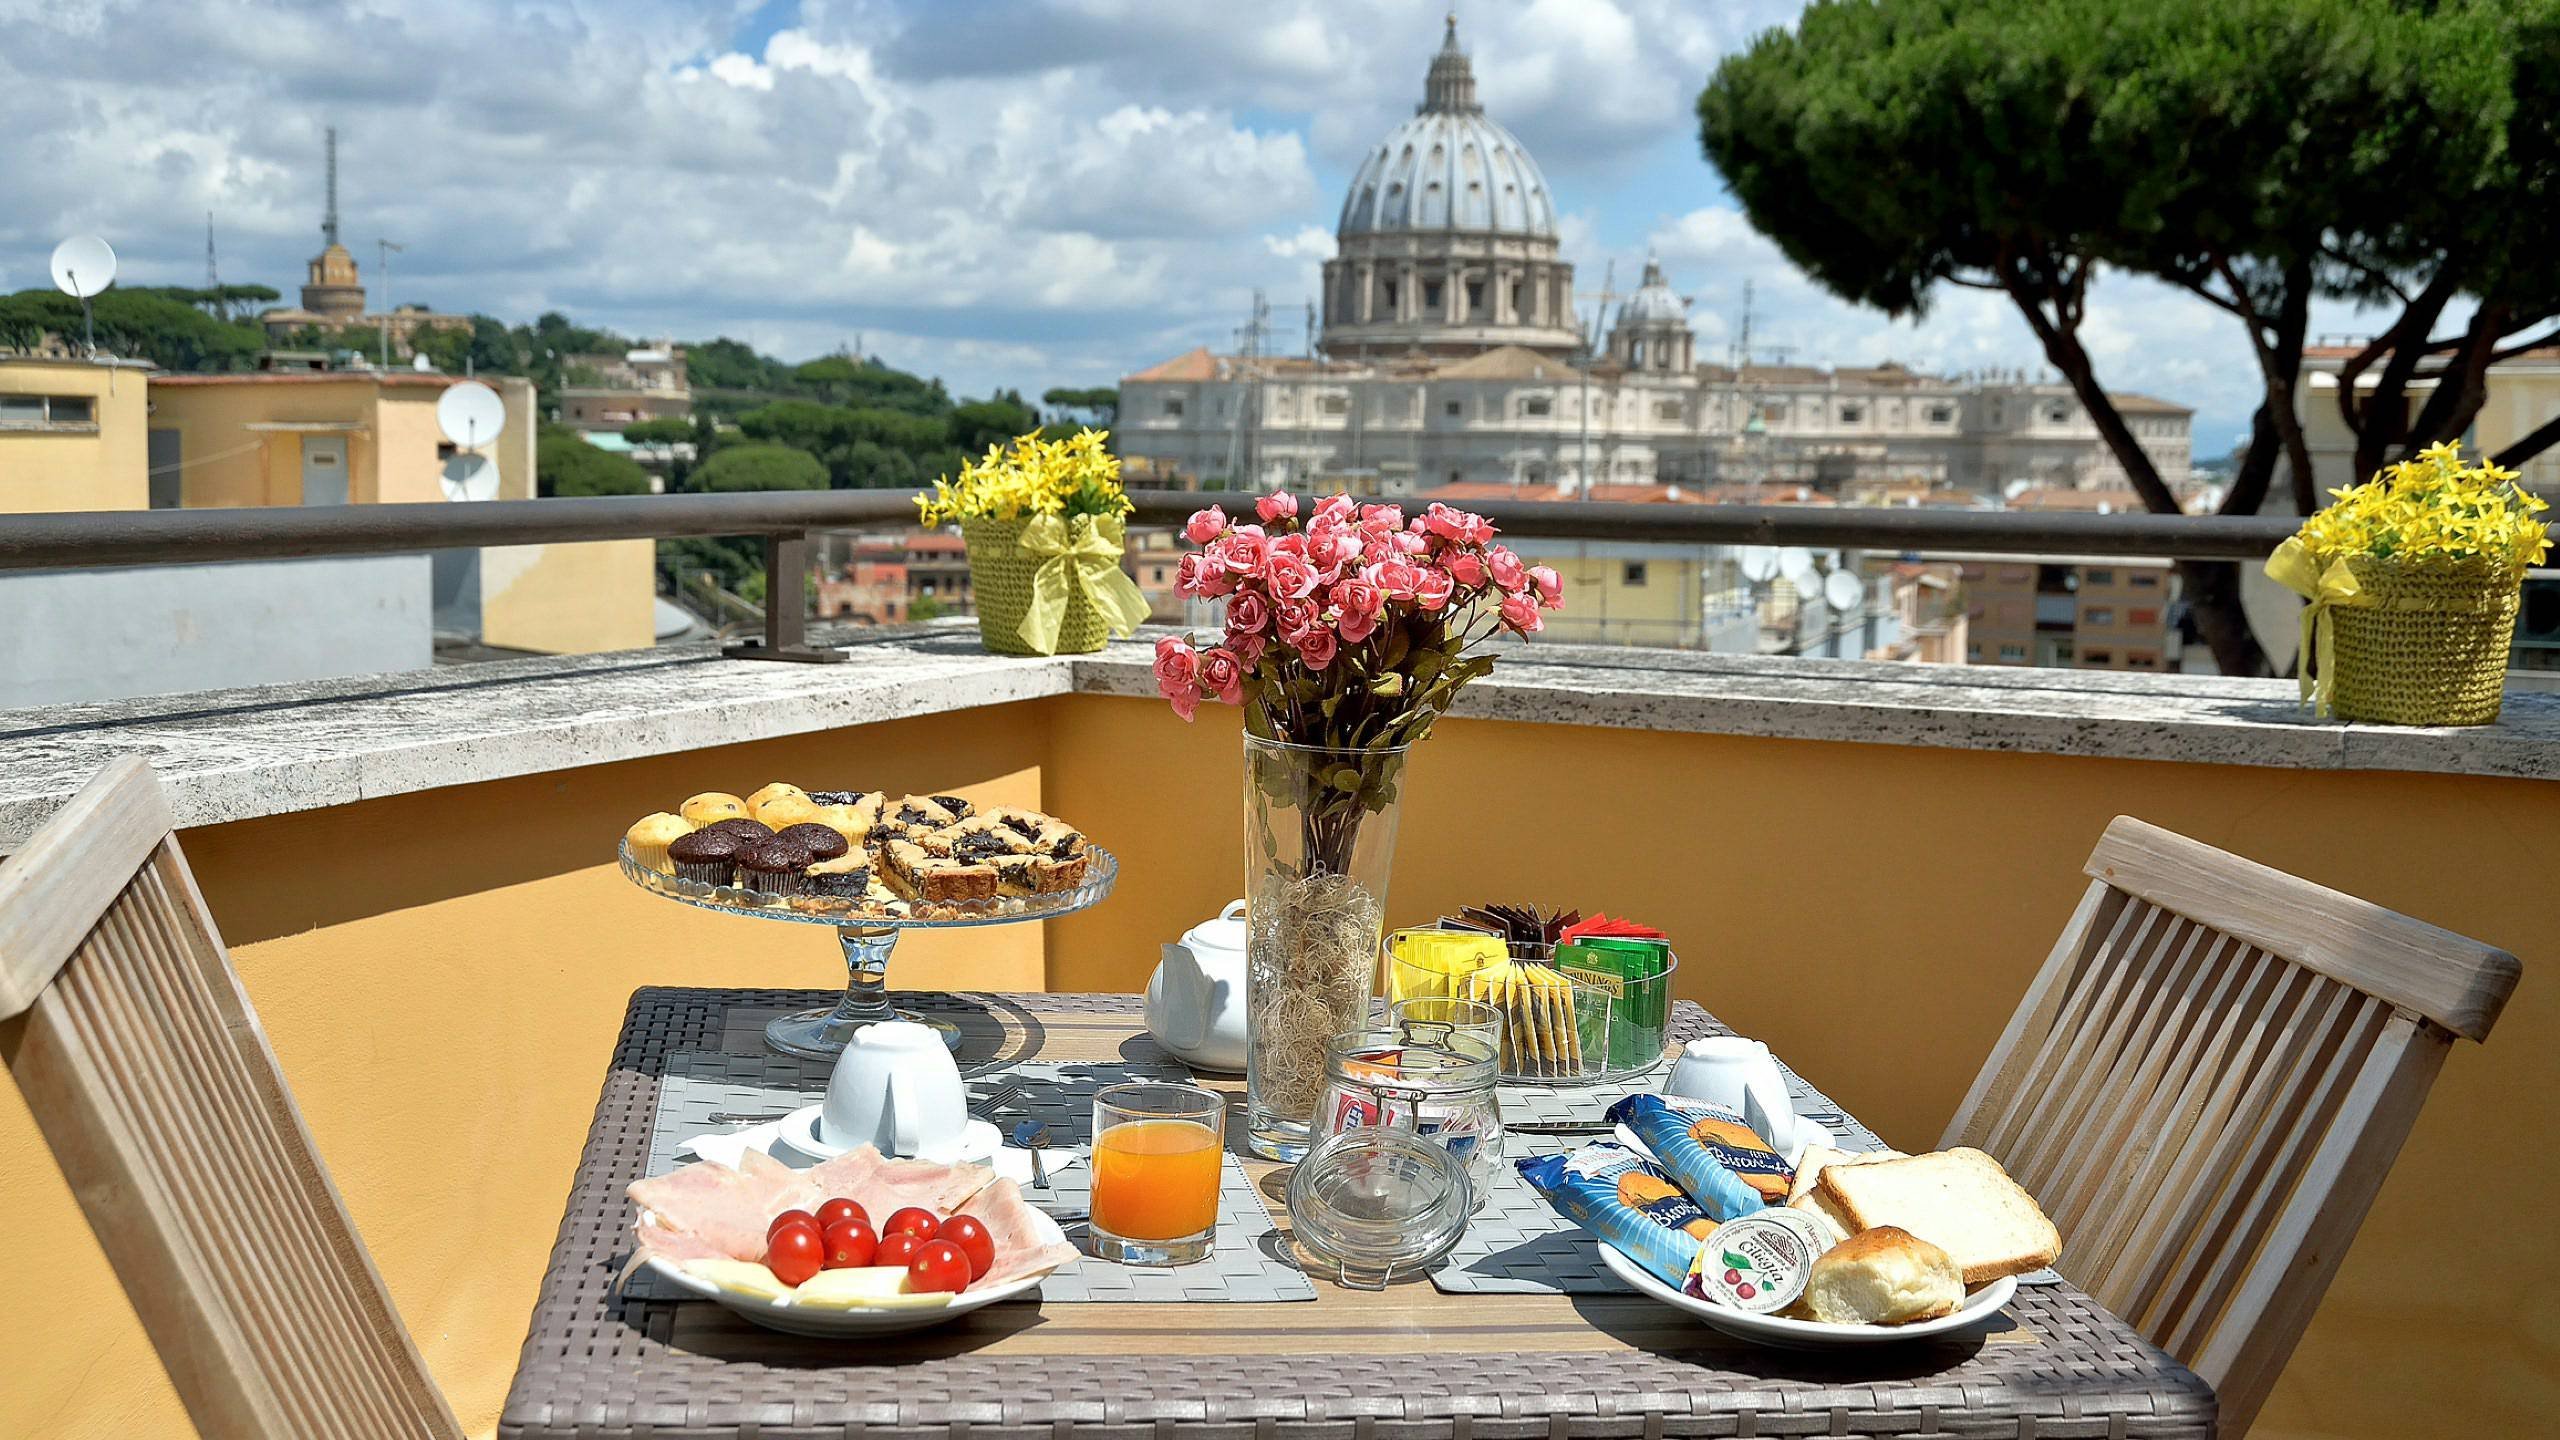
(238, 754)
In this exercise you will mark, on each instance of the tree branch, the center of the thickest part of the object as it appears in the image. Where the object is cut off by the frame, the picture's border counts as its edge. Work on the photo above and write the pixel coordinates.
(2031, 292)
(2542, 437)
(2375, 273)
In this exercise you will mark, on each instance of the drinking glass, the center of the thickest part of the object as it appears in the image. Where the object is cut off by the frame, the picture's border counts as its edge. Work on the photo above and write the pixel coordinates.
(1157, 1151)
(1432, 1019)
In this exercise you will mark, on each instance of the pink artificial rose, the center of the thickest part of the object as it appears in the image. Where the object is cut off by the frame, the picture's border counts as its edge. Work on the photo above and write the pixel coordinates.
(1550, 585)
(1293, 543)
(1384, 517)
(1444, 522)
(1331, 546)
(1466, 567)
(1248, 614)
(1336, 508)
(1433, 589)
(1478, 530)
(1178, 674)
(1290, 577)
(1277, 506)
(1247, 648)
(1205, 525)
(1186, 574)
(1396, 578)
(1244, 551)
(1222, 675)
(1360, 604)
(1412, 542)
(1506, 569)
(1295, 618)
(1521, 614)
(1316, 647)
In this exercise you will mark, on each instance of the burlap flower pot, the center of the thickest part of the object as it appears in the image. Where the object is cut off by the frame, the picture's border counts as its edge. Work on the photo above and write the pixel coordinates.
(2425, 642)
(1001, 572)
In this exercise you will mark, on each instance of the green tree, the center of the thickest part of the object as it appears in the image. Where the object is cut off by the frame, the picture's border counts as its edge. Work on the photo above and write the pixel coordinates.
(665, 431)
(2258, 154)
(927, 607)
(564, 464)
(1098, 406)
(167, 326)
(992, 421)
(760, 467)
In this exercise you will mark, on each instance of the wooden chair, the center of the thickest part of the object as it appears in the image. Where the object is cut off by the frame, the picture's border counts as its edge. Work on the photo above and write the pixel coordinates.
(137, 1051)
(2207, 1082)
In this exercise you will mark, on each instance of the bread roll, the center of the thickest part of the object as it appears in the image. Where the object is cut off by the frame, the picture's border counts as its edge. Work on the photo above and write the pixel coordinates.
(1959, 1200)
(1883, 1276)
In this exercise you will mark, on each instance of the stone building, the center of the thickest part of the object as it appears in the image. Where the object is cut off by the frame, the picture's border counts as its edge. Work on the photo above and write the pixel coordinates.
(1451, 353)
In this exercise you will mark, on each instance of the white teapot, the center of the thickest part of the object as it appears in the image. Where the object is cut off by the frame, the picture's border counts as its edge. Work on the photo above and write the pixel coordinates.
(1195, 1000)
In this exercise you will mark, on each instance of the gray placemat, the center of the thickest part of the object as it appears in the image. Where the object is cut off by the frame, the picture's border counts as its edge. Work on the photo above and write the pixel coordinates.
(1247, 1261)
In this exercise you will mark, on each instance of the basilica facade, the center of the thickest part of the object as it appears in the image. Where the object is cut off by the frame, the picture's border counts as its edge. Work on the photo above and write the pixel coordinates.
(1451, 351)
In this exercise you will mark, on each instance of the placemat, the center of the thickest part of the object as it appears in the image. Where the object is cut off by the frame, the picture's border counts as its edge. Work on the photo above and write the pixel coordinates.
(1247, 1262)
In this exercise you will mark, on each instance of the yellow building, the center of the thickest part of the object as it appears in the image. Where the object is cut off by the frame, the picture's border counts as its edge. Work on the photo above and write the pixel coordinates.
(331, 437)
(72, 435)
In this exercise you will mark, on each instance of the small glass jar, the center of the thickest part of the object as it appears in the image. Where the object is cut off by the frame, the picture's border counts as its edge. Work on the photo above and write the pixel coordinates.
(1379, 1203)
(1440, 1087)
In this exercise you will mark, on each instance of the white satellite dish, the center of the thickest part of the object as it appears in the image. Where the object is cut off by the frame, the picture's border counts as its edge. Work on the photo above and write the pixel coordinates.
(423, 365)
(1759, 564)
(1842, 590)
(1796, 563)
(83, 265)
(471, 414)
(470, 477)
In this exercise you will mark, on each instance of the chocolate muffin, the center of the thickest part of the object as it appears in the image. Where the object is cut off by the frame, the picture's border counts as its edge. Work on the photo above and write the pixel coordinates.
(747, 831)
(706, 857)
(773, 866)
(822, 842)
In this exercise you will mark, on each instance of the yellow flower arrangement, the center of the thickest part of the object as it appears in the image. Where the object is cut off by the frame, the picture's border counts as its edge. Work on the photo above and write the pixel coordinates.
(2432, 506)
(1032, 477)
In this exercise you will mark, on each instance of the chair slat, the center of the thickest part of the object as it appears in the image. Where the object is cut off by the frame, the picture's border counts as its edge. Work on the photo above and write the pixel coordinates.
(2073, 1040)
(149, 1074)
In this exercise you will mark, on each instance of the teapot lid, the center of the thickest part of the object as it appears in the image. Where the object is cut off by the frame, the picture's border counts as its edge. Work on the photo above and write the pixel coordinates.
(1226, 932)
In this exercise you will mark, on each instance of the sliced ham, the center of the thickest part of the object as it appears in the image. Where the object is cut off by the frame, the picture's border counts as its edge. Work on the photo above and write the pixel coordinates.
(709, 1210)
(1027, 1241)
(884, 1185)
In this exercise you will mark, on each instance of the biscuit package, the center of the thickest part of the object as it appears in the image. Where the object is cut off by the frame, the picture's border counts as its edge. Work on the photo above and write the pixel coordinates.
(1626, 1200)
(1709, 1151)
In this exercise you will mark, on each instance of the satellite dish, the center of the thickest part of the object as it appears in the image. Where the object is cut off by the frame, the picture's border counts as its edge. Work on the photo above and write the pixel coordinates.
(470, 477)
(1842, 590)
(471, 414)
(1797, 565)
(423, 365)
(1759, 564)
(83, 265)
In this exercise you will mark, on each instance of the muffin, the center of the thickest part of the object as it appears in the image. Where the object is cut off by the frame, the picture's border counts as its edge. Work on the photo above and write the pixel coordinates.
(851, 819)
(773, 866)
(710, 806)
(746, 830)
(846, 877)
(650, 838)
(775, 794)
(821, 841)
(784, 811)
(707, 857)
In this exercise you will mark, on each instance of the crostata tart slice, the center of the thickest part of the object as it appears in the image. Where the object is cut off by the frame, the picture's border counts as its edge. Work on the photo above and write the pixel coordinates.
(942, 878)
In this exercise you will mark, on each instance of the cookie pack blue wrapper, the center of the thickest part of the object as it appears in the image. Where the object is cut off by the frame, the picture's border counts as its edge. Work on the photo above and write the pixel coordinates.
(1627, 1200)
(1708, 1151)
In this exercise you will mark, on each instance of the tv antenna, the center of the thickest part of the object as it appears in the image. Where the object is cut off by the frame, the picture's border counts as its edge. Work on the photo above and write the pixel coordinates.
(384, 249)
(84, 265)
(470, 415)
(213, 272)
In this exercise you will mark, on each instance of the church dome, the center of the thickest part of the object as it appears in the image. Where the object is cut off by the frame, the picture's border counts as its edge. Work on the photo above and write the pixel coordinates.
(1654, 303)
(1449, 168)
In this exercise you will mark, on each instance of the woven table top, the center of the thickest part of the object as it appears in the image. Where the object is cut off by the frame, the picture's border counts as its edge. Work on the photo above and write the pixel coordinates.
(1408, 1363)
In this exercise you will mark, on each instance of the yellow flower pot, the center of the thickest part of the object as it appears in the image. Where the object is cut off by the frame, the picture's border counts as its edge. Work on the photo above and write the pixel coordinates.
(2423, 642)
(1003, 575)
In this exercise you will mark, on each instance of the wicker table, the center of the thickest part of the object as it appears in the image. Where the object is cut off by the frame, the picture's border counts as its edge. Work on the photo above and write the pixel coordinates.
(1406, 1364)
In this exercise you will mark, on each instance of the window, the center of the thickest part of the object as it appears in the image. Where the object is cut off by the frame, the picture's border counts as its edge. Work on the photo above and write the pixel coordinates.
(2146, 582)
(1666, 409)
(1852, 414)
(1537, 405)
(2102, 577)
(1454, 409)
(1515, 297)
(2142, 617)
(47, 412)
(2014, 654)
(1633, 574)
(2057, 413)
(1431, 295)
(71, 410)
(1972, 651)
(2141, 660)
(1173, 405)
(1391, 294)
(2098, 615)
(1941, 414)
(1475, 297)
(1333, 404)
(2098, 657)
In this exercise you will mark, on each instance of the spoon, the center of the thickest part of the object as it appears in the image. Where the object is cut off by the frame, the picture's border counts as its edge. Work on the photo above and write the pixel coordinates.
(1033, 1136)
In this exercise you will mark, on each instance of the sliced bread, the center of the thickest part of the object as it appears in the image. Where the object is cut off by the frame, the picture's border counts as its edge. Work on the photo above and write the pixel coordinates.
(1810, 1164)
(1958, 1200)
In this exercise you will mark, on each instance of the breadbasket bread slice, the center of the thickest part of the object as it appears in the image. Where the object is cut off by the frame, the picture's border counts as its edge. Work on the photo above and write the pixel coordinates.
(1958, 1200)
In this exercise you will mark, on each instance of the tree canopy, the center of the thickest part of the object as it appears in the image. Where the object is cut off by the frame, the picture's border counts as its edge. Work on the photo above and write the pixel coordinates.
(2258, 154)
(565, 464)
(167, 325)
(760, 467)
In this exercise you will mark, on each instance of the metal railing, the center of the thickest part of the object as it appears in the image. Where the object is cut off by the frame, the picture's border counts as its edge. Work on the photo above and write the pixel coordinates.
(785, 519)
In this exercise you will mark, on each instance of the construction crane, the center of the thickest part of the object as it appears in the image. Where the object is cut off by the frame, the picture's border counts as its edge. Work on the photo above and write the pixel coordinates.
(1591, 332)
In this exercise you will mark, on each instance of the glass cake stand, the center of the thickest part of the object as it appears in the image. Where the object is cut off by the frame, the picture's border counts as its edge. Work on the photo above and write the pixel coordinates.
(868, 935)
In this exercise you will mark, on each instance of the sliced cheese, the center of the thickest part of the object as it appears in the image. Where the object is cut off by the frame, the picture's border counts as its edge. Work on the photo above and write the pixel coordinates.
(741, 1277)
(867, 1287)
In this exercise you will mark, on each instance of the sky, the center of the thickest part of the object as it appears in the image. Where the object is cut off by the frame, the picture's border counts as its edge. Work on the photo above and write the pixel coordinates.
(1023, 193)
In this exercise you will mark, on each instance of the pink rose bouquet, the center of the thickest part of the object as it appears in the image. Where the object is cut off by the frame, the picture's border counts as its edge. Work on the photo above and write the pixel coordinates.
(1350, 626)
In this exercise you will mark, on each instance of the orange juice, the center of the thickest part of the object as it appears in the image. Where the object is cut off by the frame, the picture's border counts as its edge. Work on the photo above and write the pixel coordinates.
(1155, 1179)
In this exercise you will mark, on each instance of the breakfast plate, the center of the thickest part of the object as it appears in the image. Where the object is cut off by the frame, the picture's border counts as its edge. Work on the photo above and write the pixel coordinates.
(824, 1321)
(1980, 1309)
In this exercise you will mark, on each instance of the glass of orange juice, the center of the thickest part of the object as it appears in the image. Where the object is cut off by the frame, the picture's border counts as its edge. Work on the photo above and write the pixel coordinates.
(1157, 1151)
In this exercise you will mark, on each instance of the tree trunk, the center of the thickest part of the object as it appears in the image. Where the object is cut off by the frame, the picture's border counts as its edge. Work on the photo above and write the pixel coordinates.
(2213, 593)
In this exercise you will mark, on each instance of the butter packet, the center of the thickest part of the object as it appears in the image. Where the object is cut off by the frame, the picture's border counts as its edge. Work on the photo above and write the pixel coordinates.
(1709, 1150)
(1626, 1200)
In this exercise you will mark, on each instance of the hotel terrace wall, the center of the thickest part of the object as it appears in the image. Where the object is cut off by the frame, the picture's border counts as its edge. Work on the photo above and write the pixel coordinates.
(442, 974)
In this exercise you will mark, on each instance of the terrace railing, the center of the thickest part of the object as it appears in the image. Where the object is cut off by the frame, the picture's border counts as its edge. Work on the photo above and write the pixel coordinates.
(786, 519)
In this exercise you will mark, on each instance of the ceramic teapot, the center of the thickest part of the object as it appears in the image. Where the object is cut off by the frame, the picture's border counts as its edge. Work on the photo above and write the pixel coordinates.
(1195, 1000)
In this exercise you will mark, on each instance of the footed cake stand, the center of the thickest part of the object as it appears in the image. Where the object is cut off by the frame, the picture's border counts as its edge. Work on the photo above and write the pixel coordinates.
(868, 934)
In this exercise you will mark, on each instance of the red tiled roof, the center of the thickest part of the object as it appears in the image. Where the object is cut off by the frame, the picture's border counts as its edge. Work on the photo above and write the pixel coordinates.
(1195, 363)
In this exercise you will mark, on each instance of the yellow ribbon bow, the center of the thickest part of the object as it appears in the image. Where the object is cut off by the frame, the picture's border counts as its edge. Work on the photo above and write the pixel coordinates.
(1083, 557)
(2293, 568)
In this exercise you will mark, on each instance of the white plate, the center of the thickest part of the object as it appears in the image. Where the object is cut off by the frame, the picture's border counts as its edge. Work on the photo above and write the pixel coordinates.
(826, 1321)
(1980, 1309)
(979, 1141)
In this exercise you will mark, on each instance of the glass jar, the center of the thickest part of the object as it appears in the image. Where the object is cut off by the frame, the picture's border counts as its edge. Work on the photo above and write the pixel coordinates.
(1432, 1080)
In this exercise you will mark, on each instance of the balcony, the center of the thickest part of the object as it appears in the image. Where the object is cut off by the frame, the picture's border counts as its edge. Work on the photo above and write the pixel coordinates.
(1863, 863)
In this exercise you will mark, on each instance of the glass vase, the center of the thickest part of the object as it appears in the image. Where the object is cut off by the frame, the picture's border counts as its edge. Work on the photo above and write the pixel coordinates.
(1319, 835)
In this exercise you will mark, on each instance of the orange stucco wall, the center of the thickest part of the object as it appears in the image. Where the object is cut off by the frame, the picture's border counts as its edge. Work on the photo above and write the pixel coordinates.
(443, 974)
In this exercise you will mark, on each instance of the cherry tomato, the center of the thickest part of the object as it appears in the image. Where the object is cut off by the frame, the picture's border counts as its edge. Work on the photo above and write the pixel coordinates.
(970, 1234)
(914, 1220)
(838, 1210)
(789, 1217)
(794, 1254)
(938, 1265)
(849, 1244)
(896, 1249)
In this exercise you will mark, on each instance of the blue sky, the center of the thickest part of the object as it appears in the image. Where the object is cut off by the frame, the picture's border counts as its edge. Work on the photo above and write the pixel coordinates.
(999, 192)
